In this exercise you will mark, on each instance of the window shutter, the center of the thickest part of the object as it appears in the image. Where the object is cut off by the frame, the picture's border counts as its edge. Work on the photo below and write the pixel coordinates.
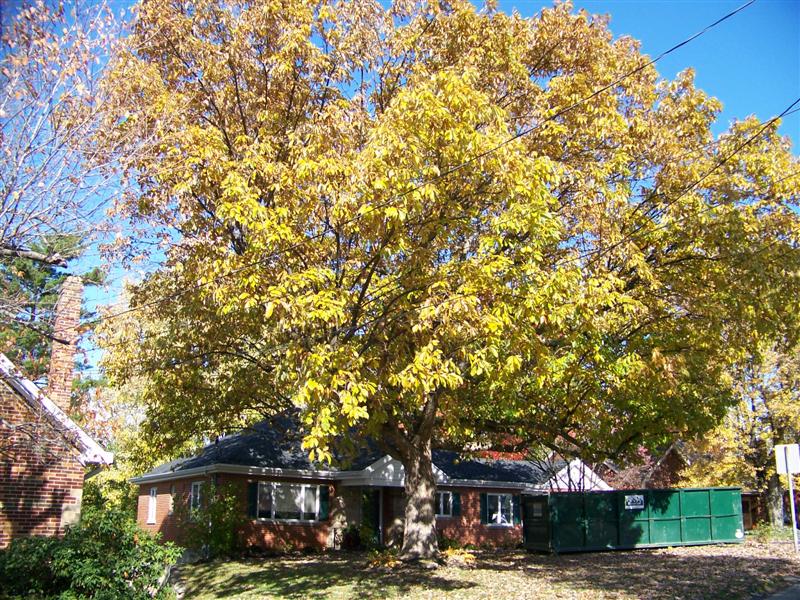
(516, 505)
(484, 509)
(456, 504)
(324, 502)
(252, 499)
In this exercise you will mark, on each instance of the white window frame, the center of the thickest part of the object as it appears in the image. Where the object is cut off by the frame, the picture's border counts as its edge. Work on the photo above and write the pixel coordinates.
(498, 522)
(195, 498)
(171, 499)
(273, 486)
(440, 503)
(152, 503)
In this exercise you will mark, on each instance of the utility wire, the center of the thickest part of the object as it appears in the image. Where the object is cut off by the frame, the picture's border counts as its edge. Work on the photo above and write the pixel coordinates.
(434, 179)
(603, 251)
(458, 296)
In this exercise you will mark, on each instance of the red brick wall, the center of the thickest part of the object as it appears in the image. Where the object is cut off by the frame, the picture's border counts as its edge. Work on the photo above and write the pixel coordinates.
(166, 522)
(260, 533)
(41, 481)
(468, 529)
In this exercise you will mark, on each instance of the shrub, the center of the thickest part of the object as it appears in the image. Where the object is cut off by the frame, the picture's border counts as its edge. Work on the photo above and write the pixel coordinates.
(26, 568)
(213, 527)
(105, 556)
(368, 537)
(764, 532)
(446, 543)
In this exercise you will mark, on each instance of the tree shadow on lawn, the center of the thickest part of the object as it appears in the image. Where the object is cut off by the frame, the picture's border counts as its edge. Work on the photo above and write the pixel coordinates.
(697, 573)
(315, 576)
(710, 573)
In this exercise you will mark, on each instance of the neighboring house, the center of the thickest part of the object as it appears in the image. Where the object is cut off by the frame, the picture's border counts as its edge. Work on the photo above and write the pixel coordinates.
(661, 470)
(289, 501)
(43, 453)
(755, 512)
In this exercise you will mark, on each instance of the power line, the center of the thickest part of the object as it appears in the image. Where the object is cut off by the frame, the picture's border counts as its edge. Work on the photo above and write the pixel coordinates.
(438, 177)
(412, 309)
(689, 188)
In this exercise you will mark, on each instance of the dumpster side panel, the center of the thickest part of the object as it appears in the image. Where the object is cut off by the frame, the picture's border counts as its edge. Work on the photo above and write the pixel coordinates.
(644, 518)
(727, 523)
(568, 526)
(602, 524)
(634, 527)
(664, 516)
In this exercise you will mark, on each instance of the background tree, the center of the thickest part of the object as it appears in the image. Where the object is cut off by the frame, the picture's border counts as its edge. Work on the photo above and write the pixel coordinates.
(53, 186)
(428, 225)
(29, 291)
(50, 183)
(741, 450)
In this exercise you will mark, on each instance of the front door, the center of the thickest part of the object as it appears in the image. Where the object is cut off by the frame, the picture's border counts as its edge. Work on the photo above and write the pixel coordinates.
(371, 516)
(535, 522)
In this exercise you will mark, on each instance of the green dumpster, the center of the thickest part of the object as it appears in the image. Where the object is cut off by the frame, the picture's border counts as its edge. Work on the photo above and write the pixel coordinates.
(624, 519)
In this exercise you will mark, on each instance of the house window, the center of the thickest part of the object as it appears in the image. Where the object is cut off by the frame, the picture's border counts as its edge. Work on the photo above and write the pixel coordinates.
(444, 504)
(151, 506)
(288, 502)
(499, 509)
(194, 498)
(264, 501)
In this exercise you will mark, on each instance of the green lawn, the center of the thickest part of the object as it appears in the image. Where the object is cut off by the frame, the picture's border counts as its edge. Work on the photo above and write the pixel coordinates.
(729, 572)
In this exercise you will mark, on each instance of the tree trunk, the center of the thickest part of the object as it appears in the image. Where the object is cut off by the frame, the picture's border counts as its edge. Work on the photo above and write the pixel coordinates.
(419, 537)
(775, 500)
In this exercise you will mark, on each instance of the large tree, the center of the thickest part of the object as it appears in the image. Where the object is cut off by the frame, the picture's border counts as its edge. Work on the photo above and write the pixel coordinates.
(426, 225)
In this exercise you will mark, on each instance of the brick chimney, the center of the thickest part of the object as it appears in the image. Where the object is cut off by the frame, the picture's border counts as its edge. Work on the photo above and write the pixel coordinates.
(62, 356)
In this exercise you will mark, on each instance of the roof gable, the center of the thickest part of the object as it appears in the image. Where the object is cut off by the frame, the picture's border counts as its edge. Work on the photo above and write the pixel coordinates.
(90, 451)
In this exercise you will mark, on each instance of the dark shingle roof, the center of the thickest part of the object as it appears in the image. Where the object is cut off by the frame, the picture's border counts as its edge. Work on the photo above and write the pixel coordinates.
(456, 466)
(277, 444)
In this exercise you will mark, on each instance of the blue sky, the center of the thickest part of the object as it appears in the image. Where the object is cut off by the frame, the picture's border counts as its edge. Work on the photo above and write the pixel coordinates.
(751, 62)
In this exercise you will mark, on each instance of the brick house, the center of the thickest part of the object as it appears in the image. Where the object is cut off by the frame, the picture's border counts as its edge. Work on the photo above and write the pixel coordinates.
(288, 501)
(43, 453)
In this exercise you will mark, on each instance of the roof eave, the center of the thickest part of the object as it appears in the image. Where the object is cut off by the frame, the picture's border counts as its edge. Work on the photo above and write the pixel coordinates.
(91, 451)
(235, 470)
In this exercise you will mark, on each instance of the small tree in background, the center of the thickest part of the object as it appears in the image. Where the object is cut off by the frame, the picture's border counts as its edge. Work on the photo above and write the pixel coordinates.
(29, 291)
(741, 450)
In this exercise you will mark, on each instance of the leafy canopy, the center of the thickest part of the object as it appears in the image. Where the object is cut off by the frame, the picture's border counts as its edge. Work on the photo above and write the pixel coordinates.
(352, 227)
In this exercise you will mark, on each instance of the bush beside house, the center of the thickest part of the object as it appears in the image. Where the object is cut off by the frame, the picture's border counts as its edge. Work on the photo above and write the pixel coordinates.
(105, 556)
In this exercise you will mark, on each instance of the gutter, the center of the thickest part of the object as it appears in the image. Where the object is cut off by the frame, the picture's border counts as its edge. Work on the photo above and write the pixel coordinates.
(352, 478)
(234, 469)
